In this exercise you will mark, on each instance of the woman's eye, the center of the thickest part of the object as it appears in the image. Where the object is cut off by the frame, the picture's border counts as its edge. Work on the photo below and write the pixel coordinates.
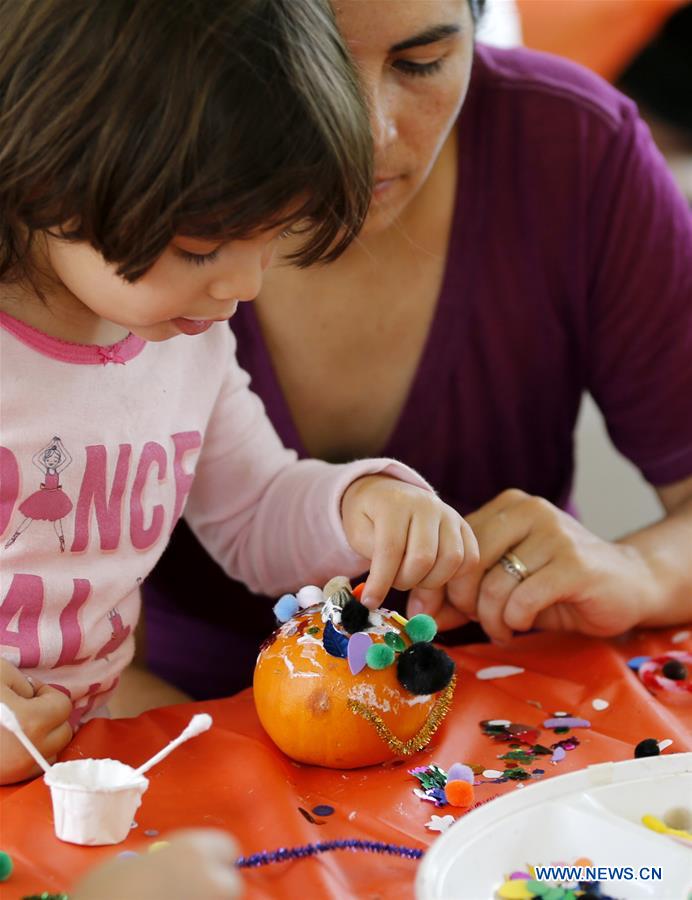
(408, 67)
(197, 259)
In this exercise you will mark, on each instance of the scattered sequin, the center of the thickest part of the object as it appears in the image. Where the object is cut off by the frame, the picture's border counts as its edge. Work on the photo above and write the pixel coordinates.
(308, 818)
(151, 832)
(680, 636)
(568, 722)
(498, 672)
(637, 661)
(440, 823)
(323, 810)
(158, 845)
(599, 704)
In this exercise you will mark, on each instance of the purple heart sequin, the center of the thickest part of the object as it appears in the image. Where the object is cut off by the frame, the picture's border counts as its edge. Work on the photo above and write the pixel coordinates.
(357, 649)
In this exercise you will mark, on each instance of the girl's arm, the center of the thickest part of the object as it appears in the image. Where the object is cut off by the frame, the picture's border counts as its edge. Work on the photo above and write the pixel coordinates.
(275, 522)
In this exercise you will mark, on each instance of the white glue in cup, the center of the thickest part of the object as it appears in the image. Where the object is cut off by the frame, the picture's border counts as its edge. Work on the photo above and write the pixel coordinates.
(94, 800)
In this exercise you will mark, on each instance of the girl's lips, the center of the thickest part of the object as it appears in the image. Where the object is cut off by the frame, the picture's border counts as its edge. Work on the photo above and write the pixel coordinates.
(192, 326)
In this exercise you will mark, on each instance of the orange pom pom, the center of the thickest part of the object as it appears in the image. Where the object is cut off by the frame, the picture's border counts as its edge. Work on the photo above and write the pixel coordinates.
(357, 591)
(459, 793)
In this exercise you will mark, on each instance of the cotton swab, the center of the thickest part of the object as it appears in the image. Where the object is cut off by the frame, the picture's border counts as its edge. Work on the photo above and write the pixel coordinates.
(9, 721)
(197, 725)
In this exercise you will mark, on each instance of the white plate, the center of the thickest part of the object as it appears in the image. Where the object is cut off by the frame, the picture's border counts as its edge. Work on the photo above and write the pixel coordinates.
(595, 812)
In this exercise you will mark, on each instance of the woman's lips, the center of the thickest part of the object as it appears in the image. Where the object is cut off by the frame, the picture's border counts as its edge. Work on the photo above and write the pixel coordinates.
(383, 184)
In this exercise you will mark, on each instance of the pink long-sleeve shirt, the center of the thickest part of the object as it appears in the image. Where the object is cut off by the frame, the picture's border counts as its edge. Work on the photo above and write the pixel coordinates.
(102, 449)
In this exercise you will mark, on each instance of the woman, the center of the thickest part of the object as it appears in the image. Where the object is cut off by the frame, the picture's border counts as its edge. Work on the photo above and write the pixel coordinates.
(525, 244)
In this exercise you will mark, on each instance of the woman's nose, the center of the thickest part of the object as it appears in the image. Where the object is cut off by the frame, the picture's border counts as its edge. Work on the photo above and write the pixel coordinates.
(382, 121)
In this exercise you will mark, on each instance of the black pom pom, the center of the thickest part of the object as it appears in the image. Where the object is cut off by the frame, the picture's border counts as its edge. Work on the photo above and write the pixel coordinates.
(424, 669)
(647, 747)
(354, 616)
(675, 670)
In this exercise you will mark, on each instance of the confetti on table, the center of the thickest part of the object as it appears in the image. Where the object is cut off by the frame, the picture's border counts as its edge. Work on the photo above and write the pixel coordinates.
(308, 818)
(599, 704)
(491, 774)
(568, 722)
(680, 636)
(440, 823)
(498, 672)
(559, 753)
(663, 745)
(323, 810)
(499, 723)
(637, 661)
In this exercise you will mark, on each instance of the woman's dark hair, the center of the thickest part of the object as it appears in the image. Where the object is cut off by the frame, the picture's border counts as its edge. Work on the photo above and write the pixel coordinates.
(126, 122)
(477, 8)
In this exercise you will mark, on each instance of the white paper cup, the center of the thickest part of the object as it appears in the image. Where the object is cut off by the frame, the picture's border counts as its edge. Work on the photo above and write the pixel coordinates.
(94, 800)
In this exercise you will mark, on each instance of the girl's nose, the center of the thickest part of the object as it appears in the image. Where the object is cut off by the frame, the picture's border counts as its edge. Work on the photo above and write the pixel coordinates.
(243, 272)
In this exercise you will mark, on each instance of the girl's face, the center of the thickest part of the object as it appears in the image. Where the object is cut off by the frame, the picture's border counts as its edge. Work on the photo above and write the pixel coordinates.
(414, 58)
(191, 285)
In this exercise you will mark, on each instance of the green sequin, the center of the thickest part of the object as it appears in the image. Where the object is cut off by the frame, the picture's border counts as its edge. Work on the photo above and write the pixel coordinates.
(395, 641)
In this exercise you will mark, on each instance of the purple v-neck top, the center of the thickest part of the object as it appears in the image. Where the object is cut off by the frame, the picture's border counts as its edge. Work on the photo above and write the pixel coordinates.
(569, 270)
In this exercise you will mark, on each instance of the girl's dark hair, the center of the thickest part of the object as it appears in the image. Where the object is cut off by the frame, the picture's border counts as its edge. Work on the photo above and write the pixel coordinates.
(126, 122)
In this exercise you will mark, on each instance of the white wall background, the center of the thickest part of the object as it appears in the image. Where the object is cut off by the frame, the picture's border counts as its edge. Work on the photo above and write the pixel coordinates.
(610, 494)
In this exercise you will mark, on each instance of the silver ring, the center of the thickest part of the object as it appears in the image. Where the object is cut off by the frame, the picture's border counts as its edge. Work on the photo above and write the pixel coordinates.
(513, 566)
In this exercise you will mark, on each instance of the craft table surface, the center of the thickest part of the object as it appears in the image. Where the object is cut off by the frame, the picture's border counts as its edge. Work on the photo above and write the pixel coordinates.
(233, 777)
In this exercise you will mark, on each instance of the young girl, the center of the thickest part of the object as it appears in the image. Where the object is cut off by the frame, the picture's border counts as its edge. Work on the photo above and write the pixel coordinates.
(151, 155)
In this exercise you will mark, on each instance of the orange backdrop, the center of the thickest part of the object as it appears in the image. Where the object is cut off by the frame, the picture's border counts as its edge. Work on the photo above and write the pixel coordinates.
(234, 778)
(601, 34)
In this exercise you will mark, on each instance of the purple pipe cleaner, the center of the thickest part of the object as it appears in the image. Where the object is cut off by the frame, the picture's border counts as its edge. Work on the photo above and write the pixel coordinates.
(285, 853)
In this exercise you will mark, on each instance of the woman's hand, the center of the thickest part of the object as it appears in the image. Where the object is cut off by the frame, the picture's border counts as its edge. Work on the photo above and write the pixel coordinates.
(411, 537)
(197, 864)
(575, 581)
(43, 714)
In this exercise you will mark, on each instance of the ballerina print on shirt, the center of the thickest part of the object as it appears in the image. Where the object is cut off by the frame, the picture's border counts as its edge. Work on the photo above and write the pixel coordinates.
(119, 633)
(50, 503)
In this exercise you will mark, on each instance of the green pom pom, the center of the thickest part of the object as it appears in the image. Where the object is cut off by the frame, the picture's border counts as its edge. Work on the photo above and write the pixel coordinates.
(6, 865)
(395, 641)
(379, 656)
(421, 628)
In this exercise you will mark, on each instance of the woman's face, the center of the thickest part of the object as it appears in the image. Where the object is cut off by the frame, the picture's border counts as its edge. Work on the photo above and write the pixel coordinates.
(414, 58)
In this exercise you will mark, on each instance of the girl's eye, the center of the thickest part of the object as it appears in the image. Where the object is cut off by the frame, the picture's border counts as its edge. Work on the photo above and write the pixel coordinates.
(197, 259)
(407, 67)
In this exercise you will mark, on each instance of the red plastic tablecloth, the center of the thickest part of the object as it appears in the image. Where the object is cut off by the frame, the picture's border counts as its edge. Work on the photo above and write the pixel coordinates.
(234, 778)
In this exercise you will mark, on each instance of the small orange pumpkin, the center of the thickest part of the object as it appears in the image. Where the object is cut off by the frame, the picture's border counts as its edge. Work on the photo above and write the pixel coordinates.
(318, 712)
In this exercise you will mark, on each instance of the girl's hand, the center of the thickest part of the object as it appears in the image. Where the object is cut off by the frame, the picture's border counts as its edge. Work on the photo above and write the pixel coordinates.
(411, 537)
(197, 863)
(575, 582)
(43, 714)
